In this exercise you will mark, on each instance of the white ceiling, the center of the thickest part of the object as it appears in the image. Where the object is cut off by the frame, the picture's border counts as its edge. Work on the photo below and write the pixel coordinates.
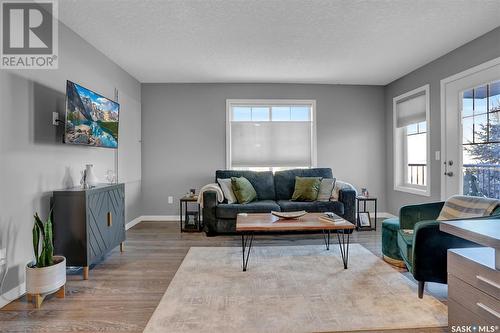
(299, 41)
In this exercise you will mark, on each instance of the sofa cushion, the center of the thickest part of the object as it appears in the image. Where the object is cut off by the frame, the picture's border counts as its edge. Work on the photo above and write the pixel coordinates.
(229, 211)
(227, 188)
(284, 181)
(326, 189)
(306, 188)
(243, 190)
(405, 244)
(336, 207)
(262, 182)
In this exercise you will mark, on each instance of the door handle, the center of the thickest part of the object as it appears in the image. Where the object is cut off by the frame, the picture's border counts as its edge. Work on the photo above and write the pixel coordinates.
(110, 219)
(449, 173)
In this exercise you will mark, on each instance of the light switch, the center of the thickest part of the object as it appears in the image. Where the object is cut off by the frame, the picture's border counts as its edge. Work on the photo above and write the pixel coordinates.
(438, 155)
(55, 118)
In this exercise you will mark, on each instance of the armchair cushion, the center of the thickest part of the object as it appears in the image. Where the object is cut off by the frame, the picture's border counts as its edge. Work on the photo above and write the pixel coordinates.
(405, 244)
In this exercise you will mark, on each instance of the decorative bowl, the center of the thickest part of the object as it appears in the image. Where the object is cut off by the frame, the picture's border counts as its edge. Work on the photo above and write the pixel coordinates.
(289, 215)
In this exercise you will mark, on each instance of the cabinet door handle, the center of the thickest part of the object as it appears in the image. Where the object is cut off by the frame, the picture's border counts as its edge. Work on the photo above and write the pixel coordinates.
(110, 219)
(489, 310)
(488, 281)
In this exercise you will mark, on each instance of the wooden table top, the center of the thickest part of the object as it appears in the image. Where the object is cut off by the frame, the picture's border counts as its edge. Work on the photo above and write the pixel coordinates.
(269, 222)
(189, 198)
(484, 232)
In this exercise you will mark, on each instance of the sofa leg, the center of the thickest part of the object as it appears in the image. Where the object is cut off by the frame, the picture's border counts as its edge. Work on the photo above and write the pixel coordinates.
(421, 285)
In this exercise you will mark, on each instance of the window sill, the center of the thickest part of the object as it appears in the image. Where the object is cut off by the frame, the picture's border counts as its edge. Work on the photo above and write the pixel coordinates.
(424, 191)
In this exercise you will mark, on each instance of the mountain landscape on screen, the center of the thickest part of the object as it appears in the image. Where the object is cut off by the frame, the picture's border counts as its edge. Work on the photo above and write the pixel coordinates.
(91, 119)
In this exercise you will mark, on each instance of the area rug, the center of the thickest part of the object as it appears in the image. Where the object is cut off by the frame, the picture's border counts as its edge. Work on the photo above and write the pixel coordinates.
(291, 289)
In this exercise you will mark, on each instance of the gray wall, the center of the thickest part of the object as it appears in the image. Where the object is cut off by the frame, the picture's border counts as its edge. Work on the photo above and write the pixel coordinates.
(184, 129)
(34, 162)
(478, 51)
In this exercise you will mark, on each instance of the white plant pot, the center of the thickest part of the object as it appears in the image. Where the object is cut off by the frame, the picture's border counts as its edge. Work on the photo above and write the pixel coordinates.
(46, 280)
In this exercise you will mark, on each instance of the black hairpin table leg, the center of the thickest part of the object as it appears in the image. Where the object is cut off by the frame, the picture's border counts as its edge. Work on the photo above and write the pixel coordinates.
(344, 247)
(246, 240)
(326, 238)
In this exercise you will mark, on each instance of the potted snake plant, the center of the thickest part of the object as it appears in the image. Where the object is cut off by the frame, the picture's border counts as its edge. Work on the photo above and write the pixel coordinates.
(47, 273)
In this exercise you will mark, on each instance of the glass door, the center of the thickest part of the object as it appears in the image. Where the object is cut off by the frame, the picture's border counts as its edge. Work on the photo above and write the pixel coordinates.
(481, 140)
(471, 132)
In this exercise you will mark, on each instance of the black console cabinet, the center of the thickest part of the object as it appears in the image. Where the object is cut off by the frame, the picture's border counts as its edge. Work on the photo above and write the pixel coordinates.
(88, 223)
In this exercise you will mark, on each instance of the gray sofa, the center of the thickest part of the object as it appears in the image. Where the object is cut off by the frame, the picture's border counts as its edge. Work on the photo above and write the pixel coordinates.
(274, 192)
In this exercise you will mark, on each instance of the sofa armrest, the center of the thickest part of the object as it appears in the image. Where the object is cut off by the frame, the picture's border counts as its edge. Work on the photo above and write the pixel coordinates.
(412, 214)
(209, 206)
(430, 247)
(348, 198)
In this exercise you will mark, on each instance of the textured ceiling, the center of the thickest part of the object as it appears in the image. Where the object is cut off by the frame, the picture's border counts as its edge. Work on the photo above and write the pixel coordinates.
(319, 41)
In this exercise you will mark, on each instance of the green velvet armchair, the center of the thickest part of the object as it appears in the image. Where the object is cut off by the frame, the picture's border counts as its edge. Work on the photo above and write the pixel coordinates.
(424, 250)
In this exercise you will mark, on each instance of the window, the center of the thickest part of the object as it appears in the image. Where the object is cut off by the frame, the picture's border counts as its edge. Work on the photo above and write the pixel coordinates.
(411, 141)
(270, 134)
(481, 140)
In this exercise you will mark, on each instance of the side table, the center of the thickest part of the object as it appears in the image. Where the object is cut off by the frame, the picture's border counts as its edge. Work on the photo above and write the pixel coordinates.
(189, 214)
(362, 199)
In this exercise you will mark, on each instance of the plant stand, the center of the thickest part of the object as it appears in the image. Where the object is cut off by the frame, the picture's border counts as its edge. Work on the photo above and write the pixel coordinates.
(37, 299)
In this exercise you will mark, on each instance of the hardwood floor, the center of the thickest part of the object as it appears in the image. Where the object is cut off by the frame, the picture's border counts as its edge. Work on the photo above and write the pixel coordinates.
(125, 288)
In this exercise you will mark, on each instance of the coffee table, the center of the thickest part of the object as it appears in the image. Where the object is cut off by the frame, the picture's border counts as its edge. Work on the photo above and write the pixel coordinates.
(251, 223)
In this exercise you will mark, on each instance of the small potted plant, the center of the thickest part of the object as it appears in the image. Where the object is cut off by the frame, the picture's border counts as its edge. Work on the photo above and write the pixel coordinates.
(47, 273)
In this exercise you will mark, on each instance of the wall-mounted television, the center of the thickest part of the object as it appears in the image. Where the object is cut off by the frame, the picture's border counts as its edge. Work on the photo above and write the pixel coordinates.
(91, 119)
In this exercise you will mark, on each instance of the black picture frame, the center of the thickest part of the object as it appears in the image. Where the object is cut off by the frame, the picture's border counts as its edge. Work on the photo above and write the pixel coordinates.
(364, 220)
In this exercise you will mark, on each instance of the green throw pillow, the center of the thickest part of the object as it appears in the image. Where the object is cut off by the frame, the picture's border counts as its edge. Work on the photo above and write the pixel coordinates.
(306, 188)
(243, 190)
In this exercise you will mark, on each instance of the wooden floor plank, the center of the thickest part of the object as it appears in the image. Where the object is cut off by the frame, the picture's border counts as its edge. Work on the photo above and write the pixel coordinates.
(125, 288)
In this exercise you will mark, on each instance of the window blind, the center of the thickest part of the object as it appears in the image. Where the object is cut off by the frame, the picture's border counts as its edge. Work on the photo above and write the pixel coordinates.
(281, 138)
(411, 110)
(271, 144)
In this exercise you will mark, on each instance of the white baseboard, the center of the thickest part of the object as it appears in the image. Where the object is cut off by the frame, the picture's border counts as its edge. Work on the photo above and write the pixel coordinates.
(12, 294)
(160, 218)
(385, 215)
(134, 222)
(152, 218)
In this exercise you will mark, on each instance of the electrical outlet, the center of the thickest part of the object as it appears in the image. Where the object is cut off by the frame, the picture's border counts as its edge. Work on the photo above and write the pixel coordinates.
(55, 118)
(170, 199)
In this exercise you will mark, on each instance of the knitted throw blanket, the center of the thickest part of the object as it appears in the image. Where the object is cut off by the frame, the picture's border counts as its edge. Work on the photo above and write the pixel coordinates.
(464, 207)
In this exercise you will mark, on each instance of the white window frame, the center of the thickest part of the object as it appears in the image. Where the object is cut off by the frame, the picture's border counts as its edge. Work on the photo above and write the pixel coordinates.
(399, 146)
(270, 102)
